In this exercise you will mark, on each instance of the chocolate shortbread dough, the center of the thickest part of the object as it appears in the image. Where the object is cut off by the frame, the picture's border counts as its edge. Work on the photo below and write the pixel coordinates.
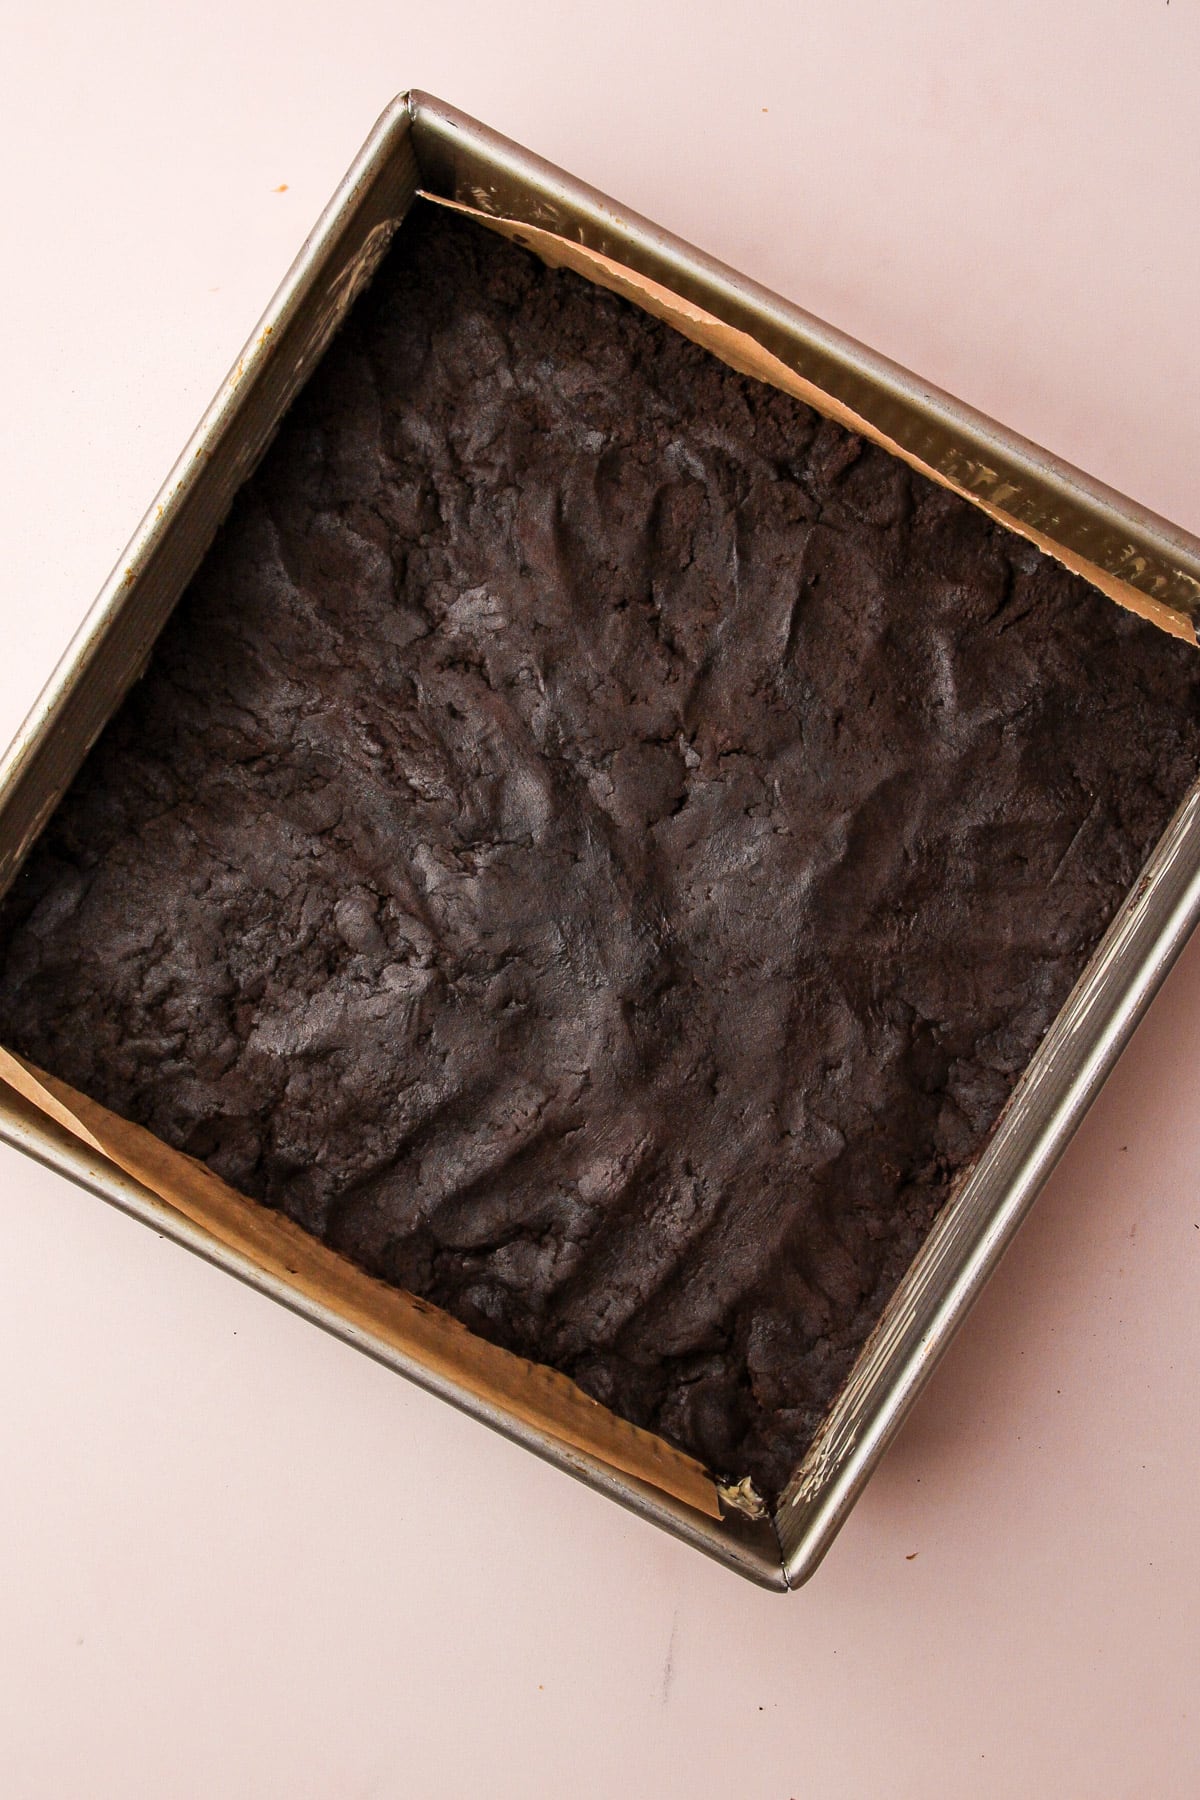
(597, 844)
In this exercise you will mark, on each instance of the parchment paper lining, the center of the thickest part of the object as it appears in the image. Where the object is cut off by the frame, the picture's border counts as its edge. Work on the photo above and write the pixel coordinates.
(744, 353)
(528, 1391)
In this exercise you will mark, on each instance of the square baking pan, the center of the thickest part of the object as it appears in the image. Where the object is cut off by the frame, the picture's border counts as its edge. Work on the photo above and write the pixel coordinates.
(423, 146)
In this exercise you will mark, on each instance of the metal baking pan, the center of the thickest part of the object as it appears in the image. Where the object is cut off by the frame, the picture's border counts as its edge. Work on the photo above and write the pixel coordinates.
(421, 144)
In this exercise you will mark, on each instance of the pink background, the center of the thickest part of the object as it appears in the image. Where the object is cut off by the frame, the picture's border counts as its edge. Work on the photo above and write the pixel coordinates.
(236, 1558)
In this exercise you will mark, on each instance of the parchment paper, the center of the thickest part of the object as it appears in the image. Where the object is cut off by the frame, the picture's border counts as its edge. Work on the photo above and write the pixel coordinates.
(530, 1391)
(745, 354)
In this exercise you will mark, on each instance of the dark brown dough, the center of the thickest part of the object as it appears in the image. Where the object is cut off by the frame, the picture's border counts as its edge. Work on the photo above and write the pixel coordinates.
(597, 844)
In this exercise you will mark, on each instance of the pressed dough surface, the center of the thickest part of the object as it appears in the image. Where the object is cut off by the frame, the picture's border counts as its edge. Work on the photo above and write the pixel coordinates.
(597, 844)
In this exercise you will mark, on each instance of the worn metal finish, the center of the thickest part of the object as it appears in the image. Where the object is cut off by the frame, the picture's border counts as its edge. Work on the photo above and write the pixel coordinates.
(420, 143)
(112, 645)
(463, 161)
(969, 1237)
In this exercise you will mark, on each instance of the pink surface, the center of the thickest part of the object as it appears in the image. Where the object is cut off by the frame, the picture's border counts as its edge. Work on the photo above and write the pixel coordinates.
(236, 1558)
